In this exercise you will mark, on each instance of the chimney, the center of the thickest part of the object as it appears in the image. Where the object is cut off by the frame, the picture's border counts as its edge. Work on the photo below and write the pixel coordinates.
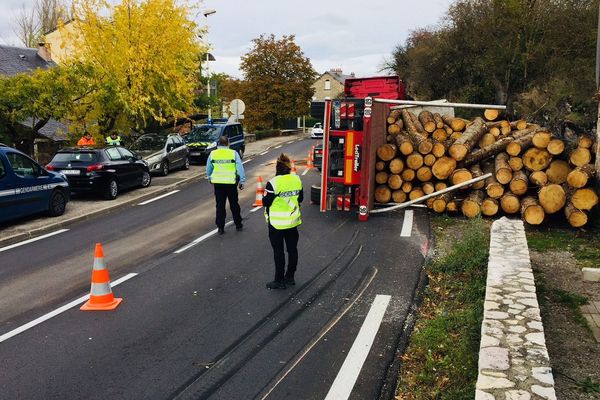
(44, 52)
(352, 74)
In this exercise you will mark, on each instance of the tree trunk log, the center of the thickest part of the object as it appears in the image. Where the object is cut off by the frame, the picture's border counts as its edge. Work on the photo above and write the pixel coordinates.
(409, 175)
(440, 186)
(531, 211)
(426, 118)
(414, 161)
(538, 178)
(489, 207)
(471, 206)
(580, 176)
(396, 166)
(519, 183)
(459, 176)
(518, 124)
(439, 149)
(491, 114)
(394, 182)
(439, 121)
(502, 169)
(510, 203)
(558, 171)
(393, 116)
(552, 197)
(386, 152)
(424, 174)
(440, 135)
(416, 193)
(443, 167)
(398, 196)
(541, 139)
(383, 194)
(404, 144)
(580, 156)
(379, 166)
(407, 187)
(516, 163)
(428, 188)
(461, 147)
(556, 147)
(439, 203)
(535, 159)
(577, 218)
(381, 177)
(457, 124)
(584, 198)
(477, 172)
(585, 141)
(493, 189)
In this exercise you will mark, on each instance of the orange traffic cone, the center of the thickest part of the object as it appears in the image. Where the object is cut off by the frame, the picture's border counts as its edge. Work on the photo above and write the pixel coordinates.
(309, 160)
(293, 167)
(101, 296)
(260, 191)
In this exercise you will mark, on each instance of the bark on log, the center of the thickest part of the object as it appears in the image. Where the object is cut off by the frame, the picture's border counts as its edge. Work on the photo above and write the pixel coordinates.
(393, 116)
(552, 197)
(577, 218)
(439, 122)
(515, 147)
(471, 206)
(395, 128)
(417, 123)
(443, 167)
(457, 124)
(510, 203)
(383, 194)
(558, 171)
(426, 119)
(502, 169)
(461, 147)
(531, 211)
(535, 159)
(404, 144)
(519, 183)
(386, 152)
(580, 176)
(493, 188)
(477, 172)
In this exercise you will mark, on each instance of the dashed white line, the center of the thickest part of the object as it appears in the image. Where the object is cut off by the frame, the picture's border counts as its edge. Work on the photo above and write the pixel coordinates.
(255, 209)
(305, 171)
(346, 377)
(157, 198)
(263, 153)
(407, 224)
(200, 239)
(278, 147)
(59, 310)
(247, 161)
(12, 246)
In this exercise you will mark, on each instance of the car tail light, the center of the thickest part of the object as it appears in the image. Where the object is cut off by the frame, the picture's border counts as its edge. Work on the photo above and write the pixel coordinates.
(50, 167)
(319, 151)
(94, 167)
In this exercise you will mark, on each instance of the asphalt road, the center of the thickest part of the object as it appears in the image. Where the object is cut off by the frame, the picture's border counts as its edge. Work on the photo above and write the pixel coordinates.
(196, 321)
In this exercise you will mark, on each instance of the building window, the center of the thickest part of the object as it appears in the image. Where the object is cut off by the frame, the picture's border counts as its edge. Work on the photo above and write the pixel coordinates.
(327, 84)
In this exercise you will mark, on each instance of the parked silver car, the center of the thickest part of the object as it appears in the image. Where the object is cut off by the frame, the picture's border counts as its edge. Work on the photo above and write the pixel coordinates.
(162, 152)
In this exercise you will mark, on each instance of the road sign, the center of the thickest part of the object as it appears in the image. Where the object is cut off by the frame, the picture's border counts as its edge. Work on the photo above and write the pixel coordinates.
(237, 107)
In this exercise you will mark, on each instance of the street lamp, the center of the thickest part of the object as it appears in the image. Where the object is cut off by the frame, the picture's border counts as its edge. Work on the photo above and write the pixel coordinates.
(206, 14)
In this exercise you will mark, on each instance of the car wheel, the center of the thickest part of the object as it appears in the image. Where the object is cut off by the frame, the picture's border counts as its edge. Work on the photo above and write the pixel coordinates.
(146, 179)
(112, 189)
(186, 163)
(315, 194)
(58, 203)
(164, 168)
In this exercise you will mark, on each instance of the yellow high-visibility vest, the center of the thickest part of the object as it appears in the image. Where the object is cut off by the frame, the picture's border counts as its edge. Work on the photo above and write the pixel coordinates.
(284, 213)
(224, 171)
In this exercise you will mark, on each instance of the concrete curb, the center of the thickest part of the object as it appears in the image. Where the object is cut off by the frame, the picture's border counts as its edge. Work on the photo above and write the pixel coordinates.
(65, 222)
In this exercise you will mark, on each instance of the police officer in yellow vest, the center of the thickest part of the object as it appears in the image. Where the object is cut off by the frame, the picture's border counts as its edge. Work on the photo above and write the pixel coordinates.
(114, 139)
(283, 195)
(225, 171)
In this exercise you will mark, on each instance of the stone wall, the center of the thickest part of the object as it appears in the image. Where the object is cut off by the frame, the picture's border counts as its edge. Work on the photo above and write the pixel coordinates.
(513, 359)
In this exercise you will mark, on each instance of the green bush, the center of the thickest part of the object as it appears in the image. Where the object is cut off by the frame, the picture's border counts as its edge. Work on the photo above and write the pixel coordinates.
(267, 133)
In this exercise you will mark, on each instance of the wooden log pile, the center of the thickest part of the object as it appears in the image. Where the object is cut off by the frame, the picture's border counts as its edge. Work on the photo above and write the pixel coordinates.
(534, 174)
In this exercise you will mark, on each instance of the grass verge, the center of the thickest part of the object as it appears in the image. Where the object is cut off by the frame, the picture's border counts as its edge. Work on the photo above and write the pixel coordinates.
(582, 244)
(441, 359)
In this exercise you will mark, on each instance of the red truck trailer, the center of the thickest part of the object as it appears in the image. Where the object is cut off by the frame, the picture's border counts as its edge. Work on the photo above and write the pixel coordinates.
(354, 128)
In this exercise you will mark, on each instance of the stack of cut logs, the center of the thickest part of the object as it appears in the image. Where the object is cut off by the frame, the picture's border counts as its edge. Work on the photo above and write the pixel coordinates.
(533, 173)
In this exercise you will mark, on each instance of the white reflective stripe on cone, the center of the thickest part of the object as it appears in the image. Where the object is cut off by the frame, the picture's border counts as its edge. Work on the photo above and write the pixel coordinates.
(100, 289)
(99, 264)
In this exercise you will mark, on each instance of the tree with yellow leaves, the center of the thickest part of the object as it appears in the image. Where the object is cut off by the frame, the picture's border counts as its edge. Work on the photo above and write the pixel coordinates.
(144, 58)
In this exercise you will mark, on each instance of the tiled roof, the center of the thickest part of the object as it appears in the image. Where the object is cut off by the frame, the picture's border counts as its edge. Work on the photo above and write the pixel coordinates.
(54, 130)
(15, 60)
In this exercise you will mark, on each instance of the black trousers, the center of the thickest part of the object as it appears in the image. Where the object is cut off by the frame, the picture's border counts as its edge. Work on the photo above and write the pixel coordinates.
(224, 192)
(290, 238)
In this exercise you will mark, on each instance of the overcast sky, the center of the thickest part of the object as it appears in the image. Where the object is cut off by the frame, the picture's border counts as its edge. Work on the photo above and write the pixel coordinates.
(355, 35)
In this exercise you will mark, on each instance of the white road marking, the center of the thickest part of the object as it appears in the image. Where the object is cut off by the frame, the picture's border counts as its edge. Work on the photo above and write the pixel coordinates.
(248, 160)
(200, 239)
(407, 224)
(346, 377)
(157, 198)
(12, 246)
(59, 310)
(278, 147)
(263, 153)
(255, 209)
(305, 171)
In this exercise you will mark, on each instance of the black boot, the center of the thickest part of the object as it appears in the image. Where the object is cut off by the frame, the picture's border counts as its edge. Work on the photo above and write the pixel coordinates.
(289, 279)
(276, 285)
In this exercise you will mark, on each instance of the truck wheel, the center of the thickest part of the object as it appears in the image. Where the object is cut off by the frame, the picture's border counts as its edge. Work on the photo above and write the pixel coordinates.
(58, 203)
(315, 194)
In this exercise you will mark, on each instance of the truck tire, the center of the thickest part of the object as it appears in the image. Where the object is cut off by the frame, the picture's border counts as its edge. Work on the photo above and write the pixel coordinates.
(315, 194)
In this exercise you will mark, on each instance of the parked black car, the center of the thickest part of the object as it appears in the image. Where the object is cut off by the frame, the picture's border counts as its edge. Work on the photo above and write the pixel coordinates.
(105, 170)
(162, 152)
(203, 139)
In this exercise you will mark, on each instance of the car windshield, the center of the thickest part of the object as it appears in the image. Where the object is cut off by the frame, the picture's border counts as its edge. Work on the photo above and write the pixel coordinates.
(75, 157)
(204, 133)
(149, 143)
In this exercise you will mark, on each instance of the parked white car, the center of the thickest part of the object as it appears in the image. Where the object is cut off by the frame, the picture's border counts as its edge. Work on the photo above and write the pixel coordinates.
(316, 131)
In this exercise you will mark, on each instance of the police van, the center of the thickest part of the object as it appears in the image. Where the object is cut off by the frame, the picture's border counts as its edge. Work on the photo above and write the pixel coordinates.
(26, 188)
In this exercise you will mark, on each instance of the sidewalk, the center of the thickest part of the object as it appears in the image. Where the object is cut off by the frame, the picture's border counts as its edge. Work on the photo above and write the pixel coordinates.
(84, 207)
